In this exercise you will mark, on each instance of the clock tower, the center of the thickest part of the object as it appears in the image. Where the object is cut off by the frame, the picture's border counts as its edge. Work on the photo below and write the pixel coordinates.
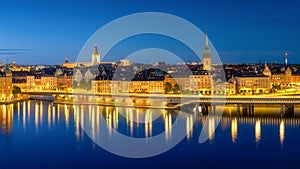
(96, 56)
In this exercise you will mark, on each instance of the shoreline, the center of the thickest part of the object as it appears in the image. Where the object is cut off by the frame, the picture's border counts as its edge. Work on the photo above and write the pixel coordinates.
(14, 101)
(162, 95)
(258, 114)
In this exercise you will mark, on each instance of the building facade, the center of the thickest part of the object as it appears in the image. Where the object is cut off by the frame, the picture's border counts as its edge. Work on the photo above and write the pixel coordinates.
(253, 84)
(6, 85)
(201, 83)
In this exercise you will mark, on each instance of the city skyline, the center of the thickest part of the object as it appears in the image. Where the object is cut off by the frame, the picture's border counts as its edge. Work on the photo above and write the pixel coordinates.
(149, 84)
(47, 32)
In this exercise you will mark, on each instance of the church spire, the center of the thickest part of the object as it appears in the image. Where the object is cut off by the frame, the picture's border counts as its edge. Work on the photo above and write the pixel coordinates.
(206, 52)
(206, 60)
(206, 39)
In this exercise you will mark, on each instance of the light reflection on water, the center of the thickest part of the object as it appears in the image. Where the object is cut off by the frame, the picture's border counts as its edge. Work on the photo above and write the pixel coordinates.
(34, 118)
(130, 118)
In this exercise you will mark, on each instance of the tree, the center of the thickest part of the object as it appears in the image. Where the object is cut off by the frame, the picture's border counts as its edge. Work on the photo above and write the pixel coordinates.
(74, 84)
(16, 90)
(176, 88)
(168, 87)
(187, 91)
(87, 85)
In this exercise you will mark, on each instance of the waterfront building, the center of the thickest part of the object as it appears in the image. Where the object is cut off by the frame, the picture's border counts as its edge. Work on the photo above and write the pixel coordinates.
(102, 86)
(19, 79)
(146, 86)
(156, 87)
(48, 83)
(30, 82)
(138, 86)
(281, 76)
(253, 84)
(107, 86)
(6, 85)
(201, 82)
(231, 86)
(64, 82)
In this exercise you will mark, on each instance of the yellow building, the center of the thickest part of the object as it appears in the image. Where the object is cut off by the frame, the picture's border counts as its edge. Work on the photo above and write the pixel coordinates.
(230, 88)
(253, 84)
(109, 86)
(279, 77)
(64, 83)
(295, 79)
(48, 83)
(30, 83)
(6, 85)
(156, 87)
(201, 83)
(146, 86)
(43, 83)
(101, 86)
(138, 86)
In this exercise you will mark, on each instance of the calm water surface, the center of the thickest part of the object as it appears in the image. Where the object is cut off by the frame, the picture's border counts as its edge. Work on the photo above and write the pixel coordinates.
(39, 134)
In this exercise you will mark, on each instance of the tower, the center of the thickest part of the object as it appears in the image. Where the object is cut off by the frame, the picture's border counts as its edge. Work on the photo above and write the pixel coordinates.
(67, 59)
(206, 55)
(286, 58)
(96, 56)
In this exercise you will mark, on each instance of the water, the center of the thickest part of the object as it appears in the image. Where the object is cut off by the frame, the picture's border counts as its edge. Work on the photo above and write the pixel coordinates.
(35, 134)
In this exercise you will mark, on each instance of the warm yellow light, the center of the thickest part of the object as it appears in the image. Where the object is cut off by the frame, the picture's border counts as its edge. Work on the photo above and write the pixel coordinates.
(234, 130)
(281, 132)
(257, 130)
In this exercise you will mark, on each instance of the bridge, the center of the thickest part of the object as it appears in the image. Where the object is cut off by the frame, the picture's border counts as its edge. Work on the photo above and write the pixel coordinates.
(207, 104)
(186, 99)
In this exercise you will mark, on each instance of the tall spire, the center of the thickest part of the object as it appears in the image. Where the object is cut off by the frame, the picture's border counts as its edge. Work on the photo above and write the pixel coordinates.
(206, 39)
(206, 52)
(206, 60)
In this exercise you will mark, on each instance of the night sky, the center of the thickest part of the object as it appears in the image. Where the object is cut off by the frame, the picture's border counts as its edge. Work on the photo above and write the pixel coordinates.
(45, 32)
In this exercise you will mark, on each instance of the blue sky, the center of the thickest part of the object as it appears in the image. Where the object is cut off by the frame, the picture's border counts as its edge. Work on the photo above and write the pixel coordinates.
(45, 32)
